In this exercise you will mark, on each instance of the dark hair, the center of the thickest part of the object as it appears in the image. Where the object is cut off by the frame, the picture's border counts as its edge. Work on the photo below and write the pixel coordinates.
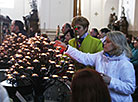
(95, 29)
(71, 33)
(19, 24)
(105, 30)
(136, 38)
(88, 86)
(68, 25)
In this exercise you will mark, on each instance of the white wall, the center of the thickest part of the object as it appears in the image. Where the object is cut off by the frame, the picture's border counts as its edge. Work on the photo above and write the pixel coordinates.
(107, 10)
(130, 7)
(55, 12)
(102, 8)
(21, 8)
(136, 16)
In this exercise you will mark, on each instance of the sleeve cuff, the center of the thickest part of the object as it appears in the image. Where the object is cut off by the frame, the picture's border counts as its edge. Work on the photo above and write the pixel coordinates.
(66, 48)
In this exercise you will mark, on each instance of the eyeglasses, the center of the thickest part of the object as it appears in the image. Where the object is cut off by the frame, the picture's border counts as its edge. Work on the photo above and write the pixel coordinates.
(77, 27)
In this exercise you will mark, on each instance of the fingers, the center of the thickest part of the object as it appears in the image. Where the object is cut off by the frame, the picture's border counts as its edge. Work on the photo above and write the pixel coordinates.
(106, 78)
(61, 44)
(101, 74)
(57, 43)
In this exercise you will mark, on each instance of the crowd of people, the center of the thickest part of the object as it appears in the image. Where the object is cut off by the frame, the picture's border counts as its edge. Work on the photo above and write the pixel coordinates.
(113, 63)
(115, 59)
(106, 64)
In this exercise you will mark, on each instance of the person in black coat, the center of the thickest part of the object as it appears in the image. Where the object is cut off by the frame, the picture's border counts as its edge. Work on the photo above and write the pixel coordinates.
(17, 27)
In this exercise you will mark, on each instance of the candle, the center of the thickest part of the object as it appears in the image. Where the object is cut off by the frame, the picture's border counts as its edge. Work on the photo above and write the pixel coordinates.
(55, 76)
(43, 68)
(20, 61)
(15, 73)
(43, 54)
(23, 76)
(58, 47)
(71, 72)
(52, 62)
(19, 51)
(30, 68)
(34, 75)
(46, 78)
(50, 50)
(21, 67)
(71, 65)
(18, 56)
(64, 77)
(37, 42)
(9, 76)
(45, 43)
(58, 66)
(57, 51)
(36, 61)
(52, 42)
(64, 56)
(59, 55)
(28, 57)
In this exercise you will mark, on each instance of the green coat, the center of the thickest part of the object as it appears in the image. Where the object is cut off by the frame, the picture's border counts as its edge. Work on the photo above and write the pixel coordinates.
(88, 45)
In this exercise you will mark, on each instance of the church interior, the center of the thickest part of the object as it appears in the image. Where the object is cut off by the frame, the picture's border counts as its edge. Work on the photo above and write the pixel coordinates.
(32, 69)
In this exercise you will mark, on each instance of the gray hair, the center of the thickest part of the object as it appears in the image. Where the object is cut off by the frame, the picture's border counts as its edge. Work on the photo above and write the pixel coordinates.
(120, 42)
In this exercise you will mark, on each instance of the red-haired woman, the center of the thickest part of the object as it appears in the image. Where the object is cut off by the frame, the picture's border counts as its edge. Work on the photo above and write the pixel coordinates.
(88, 86)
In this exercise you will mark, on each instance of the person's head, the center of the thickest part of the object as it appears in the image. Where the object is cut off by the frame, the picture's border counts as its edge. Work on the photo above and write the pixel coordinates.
(103, 32)
(69, 35)
(136, 42)
(94, 32)
(116, 43)
(17, 26)
(81, 23)
(88, 86)
(65, 28)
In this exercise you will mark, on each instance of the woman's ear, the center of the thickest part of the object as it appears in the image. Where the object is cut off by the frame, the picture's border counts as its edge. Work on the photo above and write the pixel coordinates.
(86, 29)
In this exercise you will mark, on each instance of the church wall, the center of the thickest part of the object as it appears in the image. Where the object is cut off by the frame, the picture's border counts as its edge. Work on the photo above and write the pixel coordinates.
(136, 16)
(110, 6)
(98, 11)
(131, 13)
(55, 12)
(21, 8)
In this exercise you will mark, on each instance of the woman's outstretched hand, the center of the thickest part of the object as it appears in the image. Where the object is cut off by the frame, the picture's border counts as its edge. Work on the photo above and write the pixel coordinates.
(60, 44)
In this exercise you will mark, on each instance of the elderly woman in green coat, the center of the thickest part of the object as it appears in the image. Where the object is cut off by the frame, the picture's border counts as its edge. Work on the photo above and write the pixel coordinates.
(83, 41)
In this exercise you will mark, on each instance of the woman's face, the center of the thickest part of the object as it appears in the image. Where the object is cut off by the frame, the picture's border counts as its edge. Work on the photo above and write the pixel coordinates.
(136, 44)
(13, 27)
(108, 45)
(92, 33)
(101, 34)
(80, 30)
(64, 29)
(67, 36)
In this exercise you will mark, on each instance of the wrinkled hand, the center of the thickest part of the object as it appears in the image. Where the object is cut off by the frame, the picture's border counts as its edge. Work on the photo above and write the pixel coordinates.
(61, 44)
(106, 78)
